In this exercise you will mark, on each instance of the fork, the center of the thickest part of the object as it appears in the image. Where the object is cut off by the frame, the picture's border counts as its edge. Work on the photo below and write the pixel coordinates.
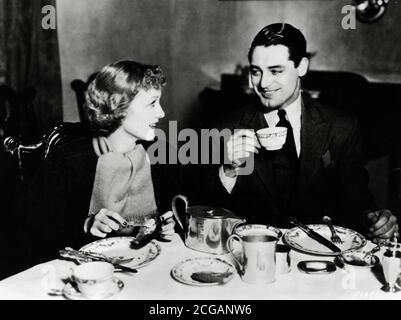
(334, 236)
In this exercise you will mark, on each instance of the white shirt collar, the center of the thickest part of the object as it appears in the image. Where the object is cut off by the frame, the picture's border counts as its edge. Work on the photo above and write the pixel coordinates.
(293, 112)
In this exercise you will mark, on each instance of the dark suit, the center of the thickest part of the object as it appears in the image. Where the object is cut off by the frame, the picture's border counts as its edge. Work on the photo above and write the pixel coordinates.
(395, 191)
(331, 179)
(59, 198)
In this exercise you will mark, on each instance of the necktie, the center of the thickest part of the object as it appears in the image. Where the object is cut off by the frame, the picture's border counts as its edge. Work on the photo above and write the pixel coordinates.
(286, 166)
(289, 146)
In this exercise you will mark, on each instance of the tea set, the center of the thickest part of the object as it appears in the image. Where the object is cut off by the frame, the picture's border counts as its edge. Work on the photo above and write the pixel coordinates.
(259, 253)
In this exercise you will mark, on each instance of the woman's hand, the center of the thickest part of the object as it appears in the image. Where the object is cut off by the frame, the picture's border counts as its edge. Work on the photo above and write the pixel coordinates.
(104, 222)
(167, 227)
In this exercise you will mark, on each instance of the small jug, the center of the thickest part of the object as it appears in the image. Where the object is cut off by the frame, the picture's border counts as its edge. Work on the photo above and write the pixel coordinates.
(258, 260)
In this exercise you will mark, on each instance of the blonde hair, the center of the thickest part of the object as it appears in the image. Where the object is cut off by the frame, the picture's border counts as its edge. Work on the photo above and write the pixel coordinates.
(115, 86)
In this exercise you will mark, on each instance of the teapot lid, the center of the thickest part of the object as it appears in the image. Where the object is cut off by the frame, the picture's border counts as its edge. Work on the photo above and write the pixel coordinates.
(210, 212)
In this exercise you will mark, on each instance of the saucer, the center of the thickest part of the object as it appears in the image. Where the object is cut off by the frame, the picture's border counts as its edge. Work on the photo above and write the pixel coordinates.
(72, 293)
(203, 271)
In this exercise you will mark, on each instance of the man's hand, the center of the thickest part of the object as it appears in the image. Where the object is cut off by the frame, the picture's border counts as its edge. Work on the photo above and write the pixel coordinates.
(382, 225)
(239, 147)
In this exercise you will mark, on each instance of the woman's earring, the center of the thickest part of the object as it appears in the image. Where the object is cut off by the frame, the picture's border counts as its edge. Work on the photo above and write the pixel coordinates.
(114, 101)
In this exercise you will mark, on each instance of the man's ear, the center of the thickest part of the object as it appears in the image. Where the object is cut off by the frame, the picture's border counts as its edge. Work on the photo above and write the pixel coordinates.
(250, 81)
(303, 67)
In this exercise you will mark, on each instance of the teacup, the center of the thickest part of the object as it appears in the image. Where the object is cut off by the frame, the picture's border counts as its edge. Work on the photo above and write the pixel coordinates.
(272, 138)
(93, 279)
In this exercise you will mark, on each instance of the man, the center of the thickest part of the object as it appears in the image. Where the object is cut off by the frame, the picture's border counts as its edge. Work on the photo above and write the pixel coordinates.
(319, 171)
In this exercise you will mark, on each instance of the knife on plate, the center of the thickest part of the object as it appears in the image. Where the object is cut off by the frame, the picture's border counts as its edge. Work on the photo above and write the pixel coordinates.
(70, 253)
(316, 236)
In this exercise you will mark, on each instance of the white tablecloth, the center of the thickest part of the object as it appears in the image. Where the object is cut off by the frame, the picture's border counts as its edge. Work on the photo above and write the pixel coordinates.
(154, 282)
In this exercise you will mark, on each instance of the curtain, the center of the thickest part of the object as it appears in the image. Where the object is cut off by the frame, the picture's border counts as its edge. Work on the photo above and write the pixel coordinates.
(29, 58)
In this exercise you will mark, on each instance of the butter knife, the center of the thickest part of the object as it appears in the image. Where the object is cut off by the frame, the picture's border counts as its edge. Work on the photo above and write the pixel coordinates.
(316, 236)
(70, 253)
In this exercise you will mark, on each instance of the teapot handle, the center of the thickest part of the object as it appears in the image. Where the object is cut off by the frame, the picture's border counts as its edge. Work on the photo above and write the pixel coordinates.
(174, 209)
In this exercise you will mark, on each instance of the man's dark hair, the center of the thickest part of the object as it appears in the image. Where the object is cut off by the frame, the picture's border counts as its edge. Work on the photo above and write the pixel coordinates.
(284, 34)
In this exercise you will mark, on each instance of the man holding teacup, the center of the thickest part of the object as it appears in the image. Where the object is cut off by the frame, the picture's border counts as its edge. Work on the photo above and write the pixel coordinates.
(316, 170)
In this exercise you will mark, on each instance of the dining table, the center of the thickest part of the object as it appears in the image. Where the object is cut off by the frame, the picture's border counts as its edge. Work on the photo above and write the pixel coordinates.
(154, 281)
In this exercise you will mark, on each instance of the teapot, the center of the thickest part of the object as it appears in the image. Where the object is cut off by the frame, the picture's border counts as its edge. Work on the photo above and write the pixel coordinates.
(206, 228)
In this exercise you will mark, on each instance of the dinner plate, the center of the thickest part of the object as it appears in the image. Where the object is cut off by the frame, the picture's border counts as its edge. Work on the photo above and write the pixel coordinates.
(185, 270)
(72, 293)
(121, 251)
(300, 241)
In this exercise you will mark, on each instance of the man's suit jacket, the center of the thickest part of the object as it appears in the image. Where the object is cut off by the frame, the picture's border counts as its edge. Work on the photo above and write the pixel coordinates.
(332, 179)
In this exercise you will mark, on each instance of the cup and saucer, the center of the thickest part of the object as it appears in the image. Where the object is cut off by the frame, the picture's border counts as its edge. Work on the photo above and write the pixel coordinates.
(92, 281)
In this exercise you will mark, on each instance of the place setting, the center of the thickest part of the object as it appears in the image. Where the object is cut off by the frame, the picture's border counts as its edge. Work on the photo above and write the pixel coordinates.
(94, 276)
(93, 281)
(349, 250)
(120, 250)
(344, 245)
(222, 246)
(313, 239)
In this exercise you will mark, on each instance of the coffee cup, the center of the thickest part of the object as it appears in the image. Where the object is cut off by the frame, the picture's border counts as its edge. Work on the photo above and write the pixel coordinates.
(272, 138)
(93, 279)
(256, 244)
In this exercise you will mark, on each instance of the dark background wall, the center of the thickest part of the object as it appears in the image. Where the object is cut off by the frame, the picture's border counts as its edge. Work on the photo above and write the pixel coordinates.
(195, 41)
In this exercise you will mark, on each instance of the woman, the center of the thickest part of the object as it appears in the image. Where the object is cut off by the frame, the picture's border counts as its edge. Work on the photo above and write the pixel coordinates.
(104, 184)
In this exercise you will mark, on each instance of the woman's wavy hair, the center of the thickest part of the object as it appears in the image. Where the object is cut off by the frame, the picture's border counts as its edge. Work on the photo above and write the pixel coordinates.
(110, 93)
